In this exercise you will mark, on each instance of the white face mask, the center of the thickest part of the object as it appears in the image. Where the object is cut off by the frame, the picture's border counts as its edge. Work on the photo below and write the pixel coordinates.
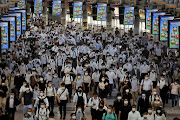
(29, 113)
(41, 94)
(127, 90)
(86, 73)
(125, 102)
(146, 78)
(49, 85)
(154, 93)
(109, 110)
(78, 110)
(79, 77)
(119, 98)
(27, 89)
(149, 111)
(63, 88)
(133, 109)
(73, 117)
(158, 111)
(41, 79)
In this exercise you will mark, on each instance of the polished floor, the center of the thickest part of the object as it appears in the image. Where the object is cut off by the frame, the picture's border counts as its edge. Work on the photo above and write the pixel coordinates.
(170, 113)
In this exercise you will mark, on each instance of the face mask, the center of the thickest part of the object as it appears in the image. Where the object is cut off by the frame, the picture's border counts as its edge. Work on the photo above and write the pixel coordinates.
(12, 96)
(157, 98)
(41, 79)
(149, 111)
(27, 89)
(73, 117)
(143, 95)
(119, 98)
(154, 93)
(49, 85)
(26, 118)
(127, 90)
(41, 94)
(24, 85)
(145, 116)
(125, 102)
(63, 88)
(158, 111)
(29, 113)
(164, 73)
(86, 73)
(49, 73)
(134, 77)
(3, 84)
(162, 78)
(134, 67)
(103, 80)
(133, 109)
(79, 77)
(18, 74)
(42, 106)
(146, 78)
(109, 110)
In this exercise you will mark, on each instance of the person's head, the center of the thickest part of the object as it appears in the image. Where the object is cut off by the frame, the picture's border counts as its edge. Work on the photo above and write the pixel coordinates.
(145, 115)
(157, 97)
(18, 73)
(29, 111)
(146, 77)
(110, 109)
(125, 102)
(26, 116)
(134, 76)
(73, 116)
(80, 90)
(154, 91)
(119, 97)
(41, 93)
(12, 95)
(55, 75)
(79, 76)
(95, 95)
(159, 110)
(150, 110)
(49, 84)
(63, 86)
(143, 94)
(134, 108)
(86, 72)
(27, 88)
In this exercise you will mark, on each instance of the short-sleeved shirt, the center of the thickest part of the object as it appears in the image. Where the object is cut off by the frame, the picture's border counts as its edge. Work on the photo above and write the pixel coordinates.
(27, 98)
(67, 79)
(175, 88)
(79, 83)
(146, 84)
(134, 84)
(62, 94)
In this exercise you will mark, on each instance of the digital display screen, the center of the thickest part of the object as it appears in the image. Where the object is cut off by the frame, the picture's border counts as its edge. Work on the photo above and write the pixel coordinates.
(21, 4)
(101, 12)
(163, 27)
(4, 35)
(155, 23)
(128, 15)
(18, 21)
(173, 34)
(24, 19)
(148, 18)
(12, 21)
(56, 8)
(38, 6)
(77, 10)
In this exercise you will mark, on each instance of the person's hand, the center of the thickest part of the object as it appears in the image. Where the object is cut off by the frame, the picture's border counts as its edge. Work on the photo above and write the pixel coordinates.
(59, 101)
(73, 108)
(84, 107)
(55, 101)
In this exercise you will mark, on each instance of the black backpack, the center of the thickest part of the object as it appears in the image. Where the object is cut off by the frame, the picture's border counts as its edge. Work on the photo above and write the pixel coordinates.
(41, 101)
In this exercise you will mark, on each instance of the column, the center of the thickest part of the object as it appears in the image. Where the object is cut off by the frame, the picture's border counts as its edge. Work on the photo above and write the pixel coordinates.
(63, 14)
(109, 17)
(85, 16)
(136, 21)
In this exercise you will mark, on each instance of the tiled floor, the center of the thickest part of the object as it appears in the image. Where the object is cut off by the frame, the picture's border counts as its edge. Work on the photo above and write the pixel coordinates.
(170, 113)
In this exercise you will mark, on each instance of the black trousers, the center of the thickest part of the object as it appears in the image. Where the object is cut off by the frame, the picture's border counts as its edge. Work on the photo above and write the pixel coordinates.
(69, 87)
(164, 95)
(62, 106)
(51, 103)
(59, 71)
(11, 113)
(93, 114)
(74, 64)
(110, 89)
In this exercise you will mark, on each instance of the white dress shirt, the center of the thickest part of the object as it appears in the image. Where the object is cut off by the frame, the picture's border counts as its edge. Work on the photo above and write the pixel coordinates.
(134, 115)
(111, 75)
(63, 96)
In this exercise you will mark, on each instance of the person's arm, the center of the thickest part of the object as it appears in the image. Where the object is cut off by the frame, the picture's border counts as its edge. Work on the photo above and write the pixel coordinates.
(22, 100)
(103, 118)
(83, 86)
(89, 82)
(85, 100)
(119, 116)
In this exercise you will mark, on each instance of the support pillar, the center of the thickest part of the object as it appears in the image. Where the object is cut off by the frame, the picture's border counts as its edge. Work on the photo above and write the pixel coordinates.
(136, 22)
(85, 16)
(63, 14)
(109, 17)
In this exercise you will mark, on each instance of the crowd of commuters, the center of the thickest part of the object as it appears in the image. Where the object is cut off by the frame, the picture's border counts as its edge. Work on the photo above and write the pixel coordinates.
(53, 64)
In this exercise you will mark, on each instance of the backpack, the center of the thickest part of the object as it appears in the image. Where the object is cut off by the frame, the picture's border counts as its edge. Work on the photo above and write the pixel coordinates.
(41, 101)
